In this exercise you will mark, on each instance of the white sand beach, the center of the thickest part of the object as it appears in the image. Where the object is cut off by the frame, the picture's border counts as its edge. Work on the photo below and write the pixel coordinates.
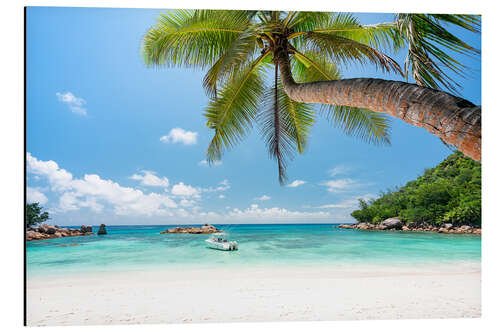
(257, 294)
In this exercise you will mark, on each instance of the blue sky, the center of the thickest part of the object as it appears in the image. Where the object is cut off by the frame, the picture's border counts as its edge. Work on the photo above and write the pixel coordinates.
(113, 141)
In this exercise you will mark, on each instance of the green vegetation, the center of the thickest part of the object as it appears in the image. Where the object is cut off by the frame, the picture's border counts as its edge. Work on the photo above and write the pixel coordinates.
(34, 214)
(239, 49)
(448, 193)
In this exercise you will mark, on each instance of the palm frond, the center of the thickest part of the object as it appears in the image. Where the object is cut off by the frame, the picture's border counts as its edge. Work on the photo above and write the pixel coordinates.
(369, 126)
(303, 22)
(311, 67)
(193, 37)
(232, 112)
(429, 44)
(237, 55)
(380, 36)
(307, 21)
(345, 50)
(298, 119)
(468, 22)
(285, 126)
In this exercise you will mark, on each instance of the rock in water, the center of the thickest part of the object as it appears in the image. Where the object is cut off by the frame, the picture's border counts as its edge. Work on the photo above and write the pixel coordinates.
(392, 223)
(102, 230)
(86, 228)
(205, 229)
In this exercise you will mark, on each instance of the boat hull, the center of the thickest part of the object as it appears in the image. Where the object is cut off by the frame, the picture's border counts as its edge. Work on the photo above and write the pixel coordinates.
(223, 246)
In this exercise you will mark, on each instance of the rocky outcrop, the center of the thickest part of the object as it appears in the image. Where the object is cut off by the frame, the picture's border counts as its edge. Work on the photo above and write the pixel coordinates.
(394, 223)
(102, 230)
(45, 231)
(86, 228)
(204, 229)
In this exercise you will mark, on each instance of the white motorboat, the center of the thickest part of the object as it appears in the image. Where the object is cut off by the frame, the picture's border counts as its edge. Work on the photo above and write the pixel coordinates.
(218, 242)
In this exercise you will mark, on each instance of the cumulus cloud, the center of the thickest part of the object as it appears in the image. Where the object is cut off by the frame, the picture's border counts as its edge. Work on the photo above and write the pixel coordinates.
(33, 194)
(258, 215)
(187, 191)
(181, 204)
(263, 198)
(75, 104)
(296, 183)
(187, 203)
(222, 186)
(149, 178)
(275, 213)
(93, 192)
(206, 164)
(184, 190)
(347, 203)
(339, 185)
(180, 135)
(59, 179)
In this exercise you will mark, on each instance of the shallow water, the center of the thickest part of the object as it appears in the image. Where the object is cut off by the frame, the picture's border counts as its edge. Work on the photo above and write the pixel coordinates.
(127, 248)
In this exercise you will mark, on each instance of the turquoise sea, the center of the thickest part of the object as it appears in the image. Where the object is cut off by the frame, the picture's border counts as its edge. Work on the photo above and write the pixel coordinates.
(128, 248)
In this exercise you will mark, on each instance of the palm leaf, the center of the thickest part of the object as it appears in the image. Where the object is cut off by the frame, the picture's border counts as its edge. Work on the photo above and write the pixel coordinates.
(428, 45)
(311, 67)
(345, 50)
(298, 119)
(232, 113)
(307, 21)
(285, 126)
(237, 55)
(193, 37)
(369, 126)
(380, 36)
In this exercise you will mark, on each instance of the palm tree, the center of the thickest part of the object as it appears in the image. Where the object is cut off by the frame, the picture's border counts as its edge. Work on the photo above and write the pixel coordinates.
(305, 48)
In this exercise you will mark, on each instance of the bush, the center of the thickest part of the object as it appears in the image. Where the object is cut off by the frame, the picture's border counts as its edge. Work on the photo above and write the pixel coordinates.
(448, 193)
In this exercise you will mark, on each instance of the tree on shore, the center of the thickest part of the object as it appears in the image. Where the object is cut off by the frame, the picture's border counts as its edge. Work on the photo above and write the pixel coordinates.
(34, 214)
(447, 193)
(304, 49)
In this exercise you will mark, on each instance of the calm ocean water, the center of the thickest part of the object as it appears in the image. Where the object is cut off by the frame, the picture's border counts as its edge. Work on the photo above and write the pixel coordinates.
(127, 248)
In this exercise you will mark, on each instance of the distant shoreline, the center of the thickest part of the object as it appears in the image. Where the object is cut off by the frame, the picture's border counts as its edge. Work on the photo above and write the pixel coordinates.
(202, 223)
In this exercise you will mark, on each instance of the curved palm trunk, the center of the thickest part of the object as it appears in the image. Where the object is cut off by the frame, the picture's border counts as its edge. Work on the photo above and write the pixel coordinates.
(455, 120)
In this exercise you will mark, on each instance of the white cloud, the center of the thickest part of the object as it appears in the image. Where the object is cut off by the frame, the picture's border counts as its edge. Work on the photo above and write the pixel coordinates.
(348, 203)
(263, 198)
(181, 204)
(34, 194)
(187, 203)
(339, 170)
(180, 135)
(92, 191)
(149, 178)
(74, 103)
(59, 179)
(339, 185)
(343, 204)
(183, 190)
(223, 186)
(206, 164)
(296, 183)
(255, 213)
